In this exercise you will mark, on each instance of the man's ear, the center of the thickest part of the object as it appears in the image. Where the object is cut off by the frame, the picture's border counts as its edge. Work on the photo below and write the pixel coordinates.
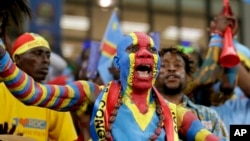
(116, 62)
(17, 58)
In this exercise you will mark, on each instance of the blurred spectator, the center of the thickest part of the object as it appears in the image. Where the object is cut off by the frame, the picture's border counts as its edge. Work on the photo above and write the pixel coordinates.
(31, 53)
(176, 67)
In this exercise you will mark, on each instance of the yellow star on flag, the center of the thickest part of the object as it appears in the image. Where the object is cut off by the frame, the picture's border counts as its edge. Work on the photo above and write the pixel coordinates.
(114, 25)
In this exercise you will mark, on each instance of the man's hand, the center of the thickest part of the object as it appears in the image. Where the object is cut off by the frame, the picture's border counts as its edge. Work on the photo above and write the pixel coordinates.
(221, 22)
(4, 128)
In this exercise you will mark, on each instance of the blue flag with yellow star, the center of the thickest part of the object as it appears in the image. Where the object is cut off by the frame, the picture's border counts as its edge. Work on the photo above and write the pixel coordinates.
(111, 37)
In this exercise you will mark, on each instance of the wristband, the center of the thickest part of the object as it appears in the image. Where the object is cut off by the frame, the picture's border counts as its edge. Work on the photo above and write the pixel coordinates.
(215, 41)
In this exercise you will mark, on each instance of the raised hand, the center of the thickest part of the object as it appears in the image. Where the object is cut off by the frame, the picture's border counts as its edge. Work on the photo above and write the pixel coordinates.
(219, 24)
(4, 128)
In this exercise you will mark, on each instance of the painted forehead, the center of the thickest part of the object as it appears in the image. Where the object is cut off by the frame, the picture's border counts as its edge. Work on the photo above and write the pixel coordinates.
(135, 38)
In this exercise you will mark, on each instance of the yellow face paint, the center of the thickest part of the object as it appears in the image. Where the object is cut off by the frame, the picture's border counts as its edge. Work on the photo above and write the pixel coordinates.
(134, 38)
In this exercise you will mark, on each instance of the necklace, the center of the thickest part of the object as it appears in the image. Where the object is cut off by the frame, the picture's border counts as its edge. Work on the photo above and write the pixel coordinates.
(114, 114)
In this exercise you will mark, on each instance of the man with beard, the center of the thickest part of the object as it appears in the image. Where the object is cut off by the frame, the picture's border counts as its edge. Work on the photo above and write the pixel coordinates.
(128, 109)
(176, 67)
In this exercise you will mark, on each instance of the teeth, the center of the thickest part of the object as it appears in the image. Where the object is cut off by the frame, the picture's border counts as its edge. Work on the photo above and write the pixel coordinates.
(171, 77)
(143, 73)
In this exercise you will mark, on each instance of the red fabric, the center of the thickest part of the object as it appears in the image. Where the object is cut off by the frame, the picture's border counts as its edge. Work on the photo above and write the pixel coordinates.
(111, 100)
(22, 40)
(59, 80)
(80, 138)
(212, 137)
(168, 121)
(188, 119)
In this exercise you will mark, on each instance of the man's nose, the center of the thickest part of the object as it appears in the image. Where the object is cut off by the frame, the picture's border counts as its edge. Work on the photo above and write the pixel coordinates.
(144, 53)
(45, 58)
(171, 67)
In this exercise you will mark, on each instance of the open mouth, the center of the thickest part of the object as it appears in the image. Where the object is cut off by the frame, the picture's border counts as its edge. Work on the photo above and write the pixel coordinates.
(172, 77)
(144, 71)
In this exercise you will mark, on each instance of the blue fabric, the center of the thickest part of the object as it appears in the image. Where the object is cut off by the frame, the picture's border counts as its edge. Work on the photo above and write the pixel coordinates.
(242, 48)
(93, 133)
(215, 41)
(4, 63)
(194, 128)
(231, 74)
(235, 110)
(156, 38)
(208, 117)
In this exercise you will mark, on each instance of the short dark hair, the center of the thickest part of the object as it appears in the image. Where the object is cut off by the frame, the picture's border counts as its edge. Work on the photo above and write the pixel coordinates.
(189, 63)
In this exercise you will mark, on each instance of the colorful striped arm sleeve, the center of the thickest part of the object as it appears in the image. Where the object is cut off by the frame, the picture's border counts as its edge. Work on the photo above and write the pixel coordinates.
(56, 97)
(190, 127)
(210, 67)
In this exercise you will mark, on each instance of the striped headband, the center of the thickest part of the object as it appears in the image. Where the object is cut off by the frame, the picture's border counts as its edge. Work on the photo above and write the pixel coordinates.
(28, 41)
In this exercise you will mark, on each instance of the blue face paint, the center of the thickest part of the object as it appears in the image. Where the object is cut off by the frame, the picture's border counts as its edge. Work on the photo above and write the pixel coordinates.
(121, 60)
(131, 52)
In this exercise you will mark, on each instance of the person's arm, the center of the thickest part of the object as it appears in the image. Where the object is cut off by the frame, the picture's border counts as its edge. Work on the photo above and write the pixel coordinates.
(56, 97)
(244, 67)
(218, 126)
(210, 68)
(243, 78)
(191, 128)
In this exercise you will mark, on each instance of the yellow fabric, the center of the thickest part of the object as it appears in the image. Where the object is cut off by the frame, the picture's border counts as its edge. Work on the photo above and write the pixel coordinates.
(142, 119)
(35, 122)
(244, 59)
(201, 135)
(174, 110)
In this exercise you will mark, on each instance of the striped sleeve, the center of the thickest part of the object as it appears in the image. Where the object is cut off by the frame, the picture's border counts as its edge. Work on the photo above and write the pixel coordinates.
(190, 127)
(215, 41)
(57, 97)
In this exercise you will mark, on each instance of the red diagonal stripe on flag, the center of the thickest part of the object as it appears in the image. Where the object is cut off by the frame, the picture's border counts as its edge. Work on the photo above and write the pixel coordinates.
(108, 49)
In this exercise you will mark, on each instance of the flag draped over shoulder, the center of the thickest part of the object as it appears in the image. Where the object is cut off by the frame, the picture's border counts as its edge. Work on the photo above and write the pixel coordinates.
(111, 37)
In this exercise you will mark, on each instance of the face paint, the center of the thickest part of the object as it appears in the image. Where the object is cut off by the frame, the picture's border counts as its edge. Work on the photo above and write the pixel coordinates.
(139, 61)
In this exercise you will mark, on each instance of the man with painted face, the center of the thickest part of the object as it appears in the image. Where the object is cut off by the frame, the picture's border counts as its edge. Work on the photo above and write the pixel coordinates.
(176, 68)
(128, 109)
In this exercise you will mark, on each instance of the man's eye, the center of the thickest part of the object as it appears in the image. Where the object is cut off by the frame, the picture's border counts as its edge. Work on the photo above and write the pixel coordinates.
(164, 65)
(36, 53)
(178, 65)
(132, 49)
(152, 49)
